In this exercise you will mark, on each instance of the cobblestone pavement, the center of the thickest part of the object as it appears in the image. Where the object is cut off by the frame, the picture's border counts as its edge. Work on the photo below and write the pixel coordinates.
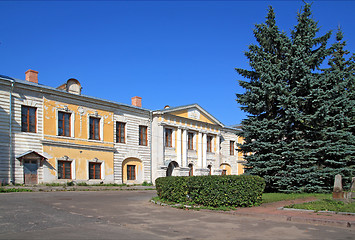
(130, 215)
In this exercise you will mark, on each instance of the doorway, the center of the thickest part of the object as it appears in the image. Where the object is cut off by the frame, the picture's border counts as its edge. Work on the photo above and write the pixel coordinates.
(30, 168)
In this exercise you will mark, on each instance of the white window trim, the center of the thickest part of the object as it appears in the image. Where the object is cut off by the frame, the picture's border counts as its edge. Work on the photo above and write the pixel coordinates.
(102, 168)
(30, 103)
(101, 127)
(172, 136)
(125, 132)
(72, 166)
(72, 121)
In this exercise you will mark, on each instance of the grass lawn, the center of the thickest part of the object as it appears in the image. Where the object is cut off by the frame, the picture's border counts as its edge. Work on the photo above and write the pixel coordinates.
(326, 205)
(275, 197)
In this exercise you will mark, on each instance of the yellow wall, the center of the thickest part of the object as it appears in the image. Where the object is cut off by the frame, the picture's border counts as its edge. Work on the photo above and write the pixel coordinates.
(184, 114)
(79, 154)
(240, 157)
(81, 157)
(225, 166)
(81, 120)
(139, 170)
(240, 169)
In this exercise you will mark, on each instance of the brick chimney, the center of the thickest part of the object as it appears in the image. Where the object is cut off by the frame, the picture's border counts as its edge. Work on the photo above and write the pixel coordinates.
(32, 76)
(137, 101)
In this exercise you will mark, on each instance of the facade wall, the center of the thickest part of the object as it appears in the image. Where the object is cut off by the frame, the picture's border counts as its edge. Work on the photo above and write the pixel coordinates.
(131, 149)
(208, 151)
(228, 158)
(24, 141)
(77, 148)
(5, 132)
(203, 158)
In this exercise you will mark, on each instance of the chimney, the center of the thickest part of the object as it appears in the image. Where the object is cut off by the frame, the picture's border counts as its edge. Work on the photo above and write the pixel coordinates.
(137, 101)
(32, 76)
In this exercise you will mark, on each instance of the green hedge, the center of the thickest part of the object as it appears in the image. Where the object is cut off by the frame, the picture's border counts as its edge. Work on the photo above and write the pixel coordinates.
(213, 191)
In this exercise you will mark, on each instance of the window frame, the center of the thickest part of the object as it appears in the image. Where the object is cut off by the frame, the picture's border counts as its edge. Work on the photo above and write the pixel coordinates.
(190, 140)
(94, 170)
(119, 134)
(92, 127)
(143, 135)
(231, 148)
(209, 141)
(28, 123)
(168, 137)
(131, 172)
(63, 162)
(191, 169)
(63, 124)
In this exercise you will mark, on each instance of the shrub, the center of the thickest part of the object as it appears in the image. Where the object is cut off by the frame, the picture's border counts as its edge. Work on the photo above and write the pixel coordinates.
(213, 191)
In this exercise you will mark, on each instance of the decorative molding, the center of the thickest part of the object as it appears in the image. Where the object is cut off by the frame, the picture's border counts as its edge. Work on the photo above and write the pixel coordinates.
(76, 145)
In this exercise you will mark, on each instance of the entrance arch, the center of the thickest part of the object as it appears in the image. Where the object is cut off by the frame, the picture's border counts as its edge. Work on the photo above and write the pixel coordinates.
(170, 171)
(226, 169)
(132, 171)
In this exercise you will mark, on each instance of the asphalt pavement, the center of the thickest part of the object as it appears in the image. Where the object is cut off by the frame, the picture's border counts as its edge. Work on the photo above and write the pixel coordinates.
(131, 215)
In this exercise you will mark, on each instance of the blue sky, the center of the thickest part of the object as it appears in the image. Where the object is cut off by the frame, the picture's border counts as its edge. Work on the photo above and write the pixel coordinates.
(167, 52)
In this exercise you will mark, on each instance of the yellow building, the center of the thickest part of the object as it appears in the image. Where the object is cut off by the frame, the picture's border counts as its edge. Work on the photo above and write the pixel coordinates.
(57, 135)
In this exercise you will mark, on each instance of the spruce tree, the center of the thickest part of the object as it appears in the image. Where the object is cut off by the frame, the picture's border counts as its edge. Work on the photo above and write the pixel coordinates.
(293, 130)
(263, 130)
(307, 53)
(336, 115)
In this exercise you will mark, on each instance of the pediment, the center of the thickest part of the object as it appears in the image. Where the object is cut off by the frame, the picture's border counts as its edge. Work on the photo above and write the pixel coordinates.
(192, 112)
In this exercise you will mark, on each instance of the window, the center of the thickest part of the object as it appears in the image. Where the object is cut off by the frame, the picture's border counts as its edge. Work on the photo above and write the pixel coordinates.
(190, 141)
(94, 170)
(143, 135)
(209, 143)
(63, 124)
(131, 172)
(231, 148)
(28, 119)
(168, 137)
(120, 132)
(64, 170)
(191, 169)
(94, 128)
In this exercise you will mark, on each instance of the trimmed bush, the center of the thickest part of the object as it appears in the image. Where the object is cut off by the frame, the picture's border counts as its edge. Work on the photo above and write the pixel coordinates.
(212, 191)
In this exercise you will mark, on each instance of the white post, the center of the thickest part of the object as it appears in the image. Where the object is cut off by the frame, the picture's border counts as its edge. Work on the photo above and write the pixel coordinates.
(184, 148)
(178, 147)
(204, 149)
(218, 139)
(199, 154)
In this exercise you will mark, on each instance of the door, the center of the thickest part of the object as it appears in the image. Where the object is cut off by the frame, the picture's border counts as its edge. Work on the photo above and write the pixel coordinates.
(30, 168)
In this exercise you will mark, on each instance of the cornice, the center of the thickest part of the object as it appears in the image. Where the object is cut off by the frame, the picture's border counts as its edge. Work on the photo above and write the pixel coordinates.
(76, 145)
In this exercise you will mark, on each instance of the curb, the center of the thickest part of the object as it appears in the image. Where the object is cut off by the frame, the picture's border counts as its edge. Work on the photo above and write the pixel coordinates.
(314, 211)
(298, 219)
(79, 188)
(274, 217)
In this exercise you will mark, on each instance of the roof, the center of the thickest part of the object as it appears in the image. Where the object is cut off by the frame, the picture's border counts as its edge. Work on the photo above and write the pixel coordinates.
(29, 152)
(74, 95)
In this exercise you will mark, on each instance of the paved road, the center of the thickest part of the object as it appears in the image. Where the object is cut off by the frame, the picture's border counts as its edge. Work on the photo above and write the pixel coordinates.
(130, 215)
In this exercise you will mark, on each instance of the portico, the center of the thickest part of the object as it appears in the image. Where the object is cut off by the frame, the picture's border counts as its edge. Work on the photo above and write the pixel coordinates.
(189, 136)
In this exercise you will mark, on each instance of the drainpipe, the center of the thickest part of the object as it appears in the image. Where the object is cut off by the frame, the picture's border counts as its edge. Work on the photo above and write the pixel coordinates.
(10, 136)
(151, 138)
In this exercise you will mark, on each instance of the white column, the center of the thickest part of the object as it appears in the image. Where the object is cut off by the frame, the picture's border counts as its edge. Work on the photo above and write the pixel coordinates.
(178, 147)
(199, 154)
(204, 149)
(184, 148)
(218, 148)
